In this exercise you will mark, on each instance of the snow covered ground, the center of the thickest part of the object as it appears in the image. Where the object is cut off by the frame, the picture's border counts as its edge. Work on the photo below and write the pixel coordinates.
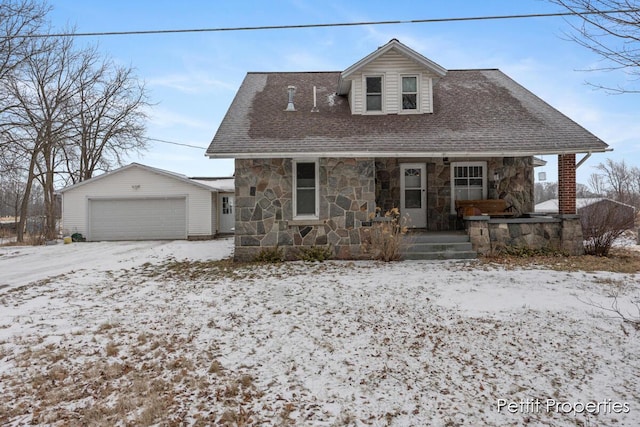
(170, 333)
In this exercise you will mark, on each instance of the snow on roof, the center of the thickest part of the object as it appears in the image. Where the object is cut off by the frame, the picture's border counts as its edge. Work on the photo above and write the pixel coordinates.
(220, 184)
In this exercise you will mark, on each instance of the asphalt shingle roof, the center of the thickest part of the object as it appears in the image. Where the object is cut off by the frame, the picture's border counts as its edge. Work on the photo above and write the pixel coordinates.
(476, 112)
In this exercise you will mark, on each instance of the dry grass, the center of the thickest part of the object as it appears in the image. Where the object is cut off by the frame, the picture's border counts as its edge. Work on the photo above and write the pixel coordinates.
(143, 388)
(111, 349)
(620, 260)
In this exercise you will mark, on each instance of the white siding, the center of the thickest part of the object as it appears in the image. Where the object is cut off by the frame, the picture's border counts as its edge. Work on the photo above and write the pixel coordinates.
(124, 184)
(392, 66)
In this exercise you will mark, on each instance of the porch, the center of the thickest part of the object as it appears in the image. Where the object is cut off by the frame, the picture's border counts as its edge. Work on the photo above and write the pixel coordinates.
(426, 189)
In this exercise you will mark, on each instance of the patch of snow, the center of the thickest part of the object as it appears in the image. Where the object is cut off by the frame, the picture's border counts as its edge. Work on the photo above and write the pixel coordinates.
(334, 343)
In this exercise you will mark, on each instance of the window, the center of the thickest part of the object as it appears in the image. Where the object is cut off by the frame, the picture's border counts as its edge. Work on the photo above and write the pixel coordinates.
(227, 207)
(468, 181)
(410, 93)
(305, 194)
(374, 93)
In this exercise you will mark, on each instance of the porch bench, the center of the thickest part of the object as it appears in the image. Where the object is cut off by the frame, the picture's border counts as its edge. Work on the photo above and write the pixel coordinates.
(491, 207)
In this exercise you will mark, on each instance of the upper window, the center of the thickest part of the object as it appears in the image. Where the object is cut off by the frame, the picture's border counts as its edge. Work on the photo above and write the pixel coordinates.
(410, 93)
(468, 181)
(374, 93)
(305, 192)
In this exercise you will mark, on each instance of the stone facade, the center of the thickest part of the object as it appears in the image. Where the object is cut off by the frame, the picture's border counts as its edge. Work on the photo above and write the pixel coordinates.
(491, 235)
(350, 189)
(264, 210)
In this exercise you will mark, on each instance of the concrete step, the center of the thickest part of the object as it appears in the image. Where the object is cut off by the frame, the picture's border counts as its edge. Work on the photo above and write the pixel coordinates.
(450, 237)
(434, 256)
(437, 246)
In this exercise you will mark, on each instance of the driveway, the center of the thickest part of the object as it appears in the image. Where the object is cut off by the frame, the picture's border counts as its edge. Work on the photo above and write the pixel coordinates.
(21, 265)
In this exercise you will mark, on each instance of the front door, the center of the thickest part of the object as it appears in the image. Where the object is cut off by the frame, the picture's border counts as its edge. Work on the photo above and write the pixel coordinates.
(227, 216)
(413, 194)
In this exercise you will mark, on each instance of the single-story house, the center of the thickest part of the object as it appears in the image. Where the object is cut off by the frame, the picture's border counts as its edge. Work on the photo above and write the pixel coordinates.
(138, 202)
(317, 154)
(593, 208)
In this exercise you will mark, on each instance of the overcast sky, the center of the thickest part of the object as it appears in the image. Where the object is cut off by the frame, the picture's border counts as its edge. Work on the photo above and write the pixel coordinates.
(193, 77)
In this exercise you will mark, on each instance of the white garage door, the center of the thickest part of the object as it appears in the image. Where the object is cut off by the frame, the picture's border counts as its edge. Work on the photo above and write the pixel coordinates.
(138, 219)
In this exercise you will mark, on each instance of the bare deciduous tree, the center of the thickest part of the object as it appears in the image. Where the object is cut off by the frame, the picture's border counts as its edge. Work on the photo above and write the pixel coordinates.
(107, 120)
(42, 93)
(65, 112)
(544, 191)
(597, 185)
(618, 179)
(611, 29)
(18, 20)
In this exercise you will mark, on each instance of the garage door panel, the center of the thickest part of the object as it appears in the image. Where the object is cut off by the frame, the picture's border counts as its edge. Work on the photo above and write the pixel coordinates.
(138, 219)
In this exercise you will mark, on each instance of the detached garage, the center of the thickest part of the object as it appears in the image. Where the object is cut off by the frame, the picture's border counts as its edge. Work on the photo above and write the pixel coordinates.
(138, 202)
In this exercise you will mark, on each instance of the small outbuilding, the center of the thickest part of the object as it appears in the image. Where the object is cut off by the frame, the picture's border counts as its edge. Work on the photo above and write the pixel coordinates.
(138, 202)
(591, 209)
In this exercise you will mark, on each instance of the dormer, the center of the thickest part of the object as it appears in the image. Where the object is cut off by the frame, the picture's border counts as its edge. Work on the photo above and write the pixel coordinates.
(394, 79)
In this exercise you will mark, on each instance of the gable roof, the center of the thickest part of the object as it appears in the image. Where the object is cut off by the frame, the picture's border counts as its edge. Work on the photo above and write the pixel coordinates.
(393, 44)
(173, 175)
(476, 113)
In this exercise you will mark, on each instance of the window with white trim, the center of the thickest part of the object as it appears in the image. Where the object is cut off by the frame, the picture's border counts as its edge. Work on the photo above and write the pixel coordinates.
(409, 93)
(305, 189)
(373, 90)
(468, 181)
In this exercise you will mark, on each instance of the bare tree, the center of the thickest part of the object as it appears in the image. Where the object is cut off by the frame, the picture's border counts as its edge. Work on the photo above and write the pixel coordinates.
(617, 177)
(597, 185)
(19, 19)
(611, 29)
(107, 120)
(74, 113)
(544, 191)
(43, 93)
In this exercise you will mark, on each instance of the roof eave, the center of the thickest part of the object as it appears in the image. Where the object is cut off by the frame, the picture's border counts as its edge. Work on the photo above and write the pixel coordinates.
(410, 154)
(151, 169)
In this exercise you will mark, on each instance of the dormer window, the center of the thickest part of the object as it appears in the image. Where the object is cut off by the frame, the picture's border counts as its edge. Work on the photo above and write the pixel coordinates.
(374, 93)
(410, 93)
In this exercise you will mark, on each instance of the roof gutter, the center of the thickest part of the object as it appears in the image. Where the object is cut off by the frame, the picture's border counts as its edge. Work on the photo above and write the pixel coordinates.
(453, 154)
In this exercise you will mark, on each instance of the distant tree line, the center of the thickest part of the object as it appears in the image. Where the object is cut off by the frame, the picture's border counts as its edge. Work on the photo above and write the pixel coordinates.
(66, 112)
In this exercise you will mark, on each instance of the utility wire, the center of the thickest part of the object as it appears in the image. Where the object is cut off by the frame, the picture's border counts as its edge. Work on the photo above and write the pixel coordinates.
(164, 141)
(338, 24)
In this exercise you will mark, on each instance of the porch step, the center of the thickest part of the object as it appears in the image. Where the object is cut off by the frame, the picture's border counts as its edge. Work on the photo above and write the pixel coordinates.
(437, 246)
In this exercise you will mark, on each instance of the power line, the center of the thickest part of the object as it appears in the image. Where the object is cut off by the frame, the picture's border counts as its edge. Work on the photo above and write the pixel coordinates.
(164, 141)
(337, 24)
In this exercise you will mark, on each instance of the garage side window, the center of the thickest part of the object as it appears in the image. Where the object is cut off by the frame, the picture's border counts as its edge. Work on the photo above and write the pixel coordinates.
(305, 192)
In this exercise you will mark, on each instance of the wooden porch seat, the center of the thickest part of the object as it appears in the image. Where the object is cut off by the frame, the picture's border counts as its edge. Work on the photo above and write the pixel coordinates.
(491, 207)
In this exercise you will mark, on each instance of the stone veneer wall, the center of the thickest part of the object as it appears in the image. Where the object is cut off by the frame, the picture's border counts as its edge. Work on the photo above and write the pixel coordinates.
(264, 212)
(516, 185)
(562, 233)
